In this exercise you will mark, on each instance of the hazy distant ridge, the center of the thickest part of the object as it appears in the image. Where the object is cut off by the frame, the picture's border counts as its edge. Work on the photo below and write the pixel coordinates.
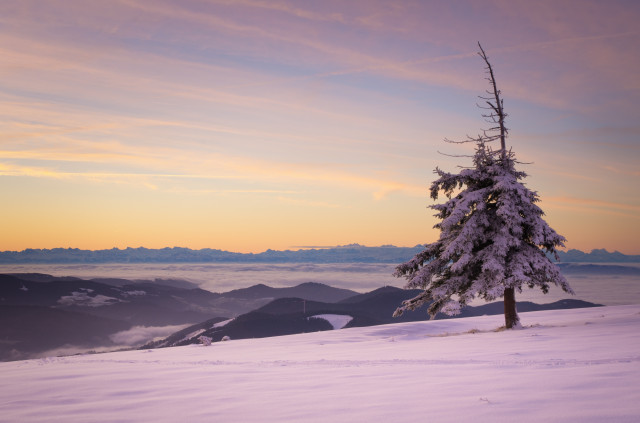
(353, 253)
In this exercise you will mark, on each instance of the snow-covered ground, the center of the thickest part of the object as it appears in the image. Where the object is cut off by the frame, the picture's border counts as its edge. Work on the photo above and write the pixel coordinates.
(338, 321)
(580, 365)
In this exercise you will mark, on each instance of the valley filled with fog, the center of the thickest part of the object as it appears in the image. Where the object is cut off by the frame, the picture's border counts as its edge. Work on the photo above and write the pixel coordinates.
(607, 284)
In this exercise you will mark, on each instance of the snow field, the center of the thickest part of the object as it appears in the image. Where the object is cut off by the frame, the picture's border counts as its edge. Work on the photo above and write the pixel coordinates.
(338, 321)
(580, 365)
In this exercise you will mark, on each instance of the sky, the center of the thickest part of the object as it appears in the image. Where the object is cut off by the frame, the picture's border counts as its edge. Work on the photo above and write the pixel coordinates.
(248, 125)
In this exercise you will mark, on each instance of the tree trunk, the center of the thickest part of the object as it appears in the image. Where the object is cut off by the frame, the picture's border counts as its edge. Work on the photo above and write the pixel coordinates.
(511, 318)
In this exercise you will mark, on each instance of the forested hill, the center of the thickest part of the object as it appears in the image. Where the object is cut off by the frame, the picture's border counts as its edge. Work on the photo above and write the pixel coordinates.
(353, 253)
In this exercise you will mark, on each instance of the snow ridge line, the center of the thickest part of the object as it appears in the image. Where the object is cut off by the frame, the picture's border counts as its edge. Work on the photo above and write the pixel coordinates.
(560, 362)
(552, 362)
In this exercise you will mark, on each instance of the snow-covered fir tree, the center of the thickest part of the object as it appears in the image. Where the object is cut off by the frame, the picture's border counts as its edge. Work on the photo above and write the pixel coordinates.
(493, 240)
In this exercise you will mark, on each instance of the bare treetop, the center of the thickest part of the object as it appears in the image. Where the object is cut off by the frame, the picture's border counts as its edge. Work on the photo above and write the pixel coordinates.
(495, 106)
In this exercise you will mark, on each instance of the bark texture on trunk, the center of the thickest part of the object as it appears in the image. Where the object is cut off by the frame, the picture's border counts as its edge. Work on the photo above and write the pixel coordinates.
(511, 318)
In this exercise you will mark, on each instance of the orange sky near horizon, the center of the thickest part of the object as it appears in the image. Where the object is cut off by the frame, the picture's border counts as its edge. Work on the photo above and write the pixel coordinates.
(246, 125)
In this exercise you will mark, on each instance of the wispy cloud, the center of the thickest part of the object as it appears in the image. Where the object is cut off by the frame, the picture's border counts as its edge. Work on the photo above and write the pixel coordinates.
(619, 171)
(286, 8)
(235, 168)
(13, 170)
(597, 206)
(308, 203)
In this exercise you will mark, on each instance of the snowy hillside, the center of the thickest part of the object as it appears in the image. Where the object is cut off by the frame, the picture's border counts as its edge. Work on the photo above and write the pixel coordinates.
(580, 365)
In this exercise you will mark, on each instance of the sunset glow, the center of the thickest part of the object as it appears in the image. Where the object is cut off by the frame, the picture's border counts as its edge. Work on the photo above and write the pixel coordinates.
(247, 125)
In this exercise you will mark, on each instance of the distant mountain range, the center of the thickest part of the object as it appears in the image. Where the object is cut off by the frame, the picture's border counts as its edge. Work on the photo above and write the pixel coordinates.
(353, 253)
(41, 312)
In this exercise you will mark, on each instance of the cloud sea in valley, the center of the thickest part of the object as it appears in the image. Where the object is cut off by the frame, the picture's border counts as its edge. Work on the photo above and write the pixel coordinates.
(601, 288)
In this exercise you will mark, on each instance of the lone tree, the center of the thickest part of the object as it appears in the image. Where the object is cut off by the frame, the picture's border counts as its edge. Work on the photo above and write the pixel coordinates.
(493, 240)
